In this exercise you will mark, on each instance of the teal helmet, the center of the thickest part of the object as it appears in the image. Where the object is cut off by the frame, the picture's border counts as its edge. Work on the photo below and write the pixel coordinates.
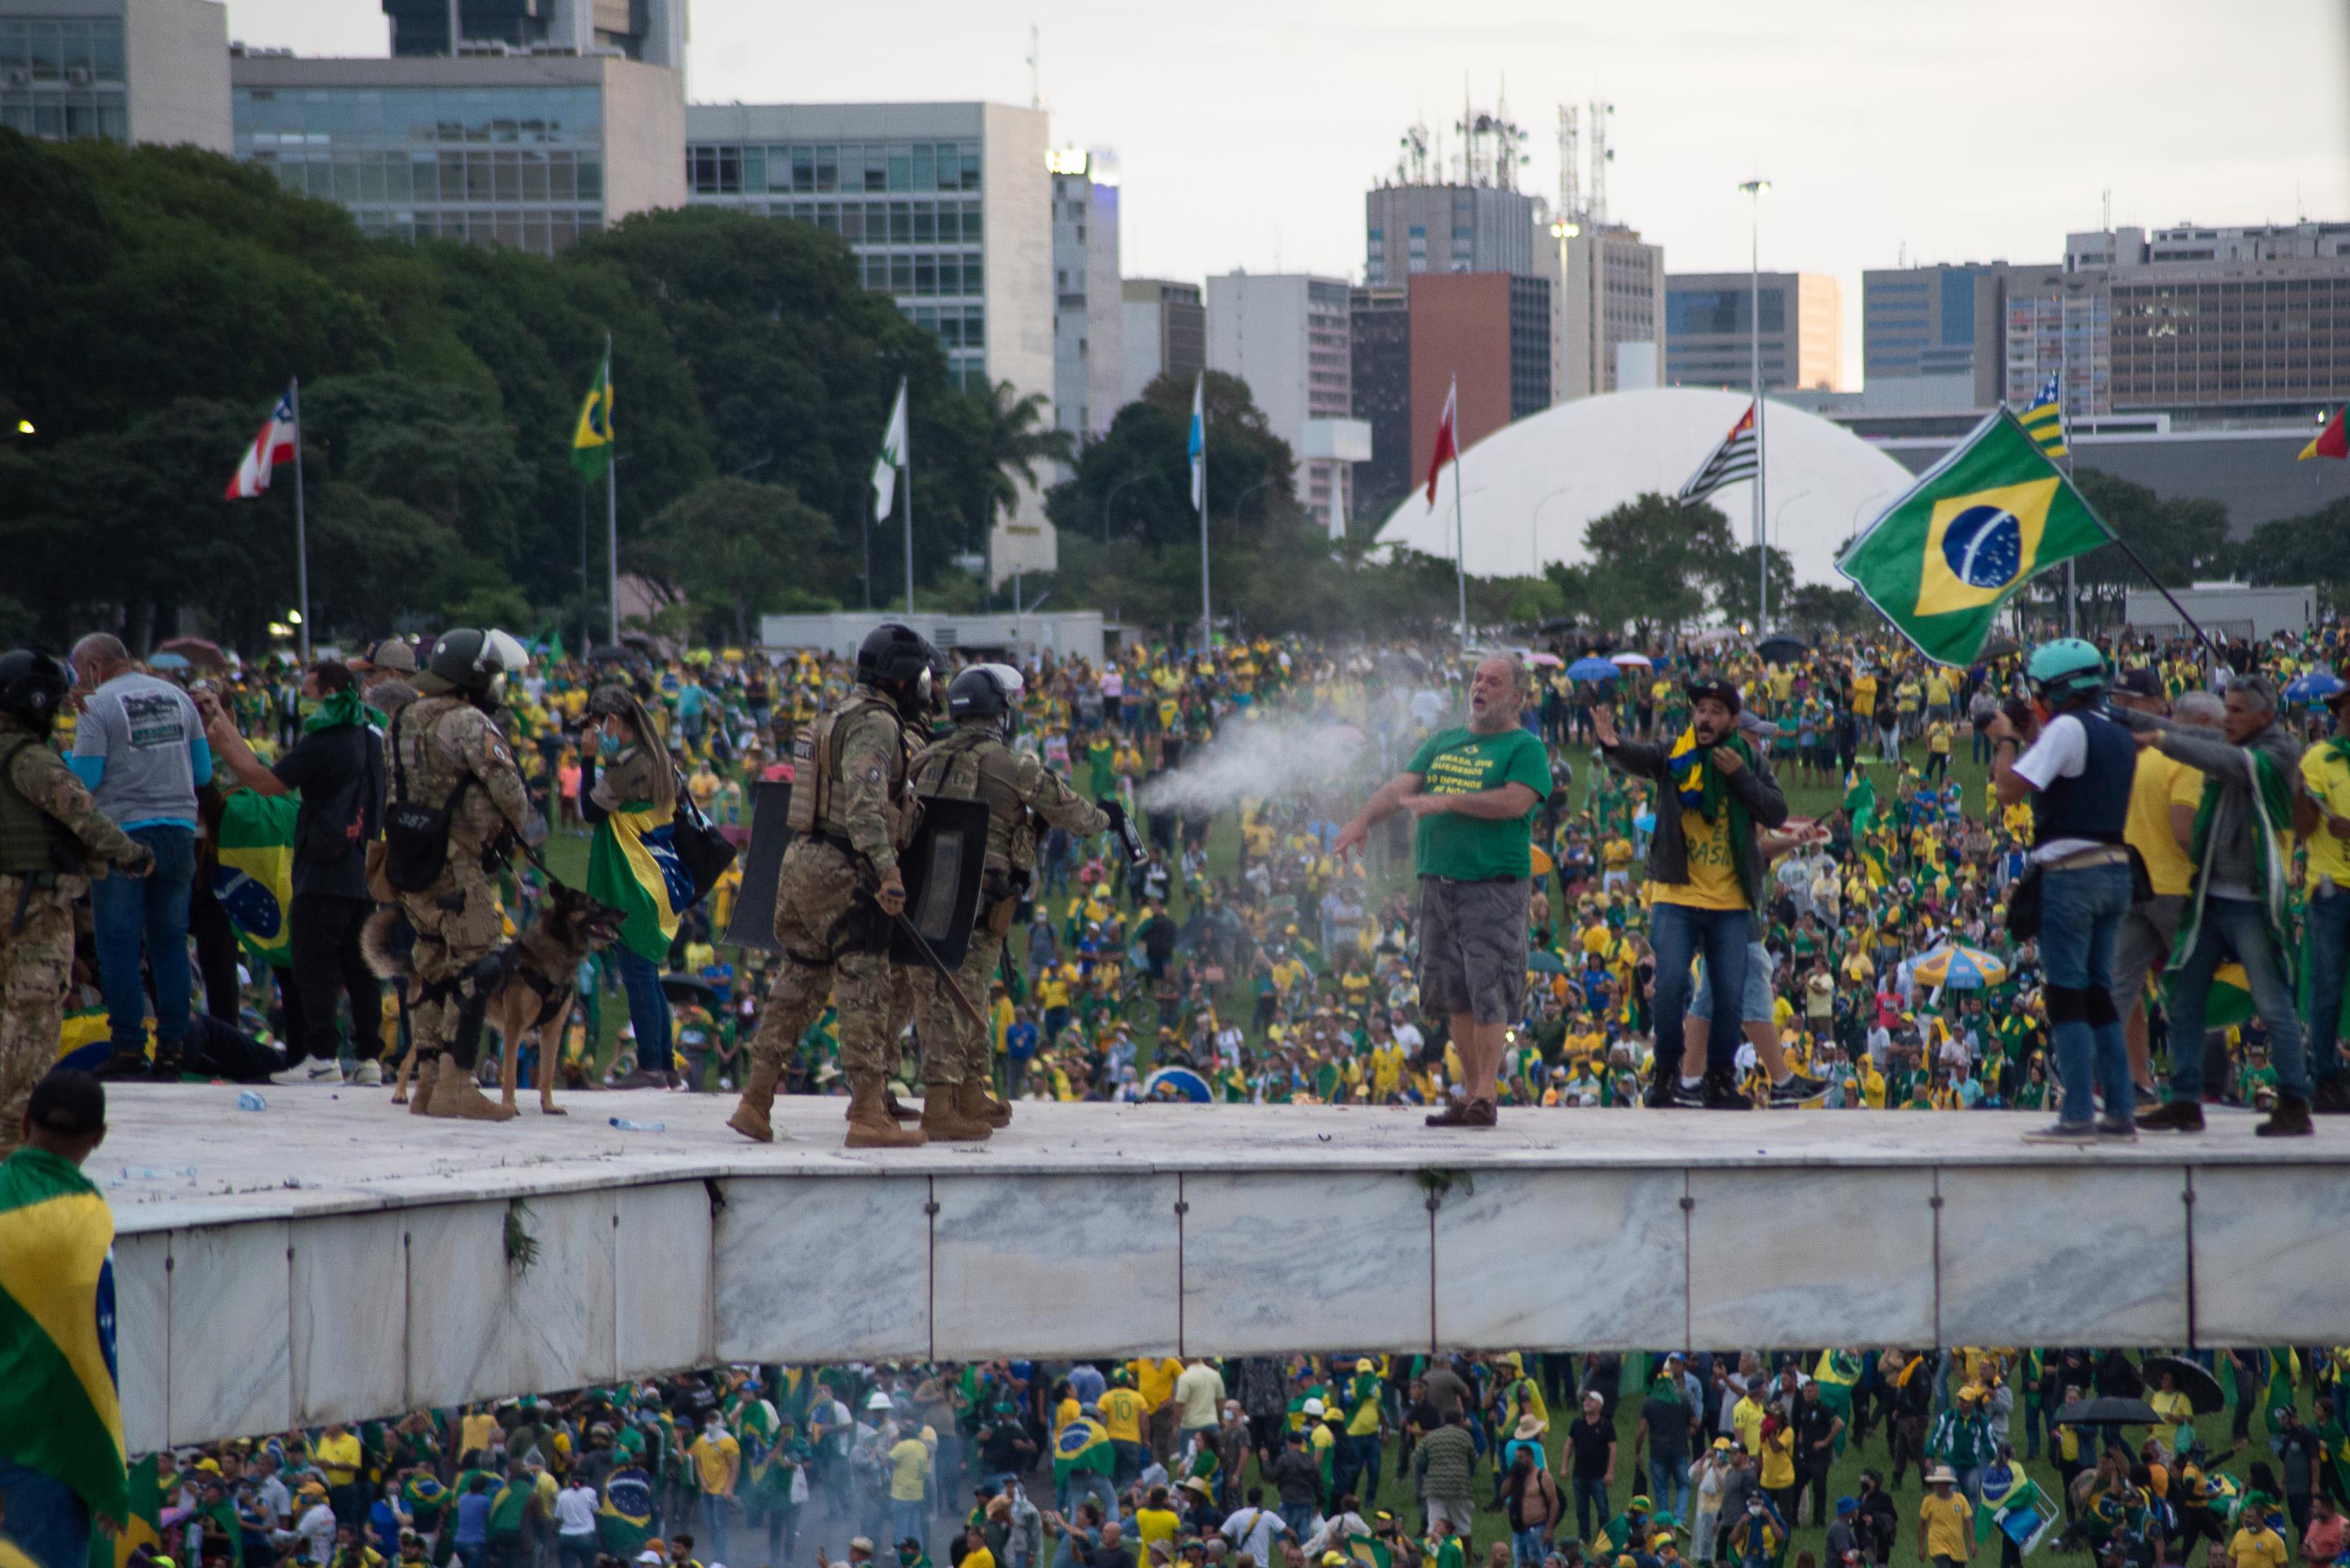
(2068, 668)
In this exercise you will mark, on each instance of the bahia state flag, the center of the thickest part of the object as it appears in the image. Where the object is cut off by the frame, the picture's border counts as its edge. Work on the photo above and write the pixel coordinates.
(1975, 528)
(59, 1411)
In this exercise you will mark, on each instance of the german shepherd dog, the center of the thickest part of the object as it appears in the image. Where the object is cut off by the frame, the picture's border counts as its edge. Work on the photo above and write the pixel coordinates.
(537, 983)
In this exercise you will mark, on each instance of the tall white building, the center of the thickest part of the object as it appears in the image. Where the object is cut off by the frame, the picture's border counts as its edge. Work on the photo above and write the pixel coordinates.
(1612, 318)
(1166, 334)
(948, 208)
(1088, 309)
(127, 71)
(1290, 337)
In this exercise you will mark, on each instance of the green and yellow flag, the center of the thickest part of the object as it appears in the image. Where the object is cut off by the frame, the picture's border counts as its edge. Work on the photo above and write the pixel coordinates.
(591, 441)
(60, 1412)
(254, 881)
(1975, 528)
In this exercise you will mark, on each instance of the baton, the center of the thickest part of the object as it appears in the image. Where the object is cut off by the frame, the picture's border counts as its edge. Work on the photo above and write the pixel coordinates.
(938, 965)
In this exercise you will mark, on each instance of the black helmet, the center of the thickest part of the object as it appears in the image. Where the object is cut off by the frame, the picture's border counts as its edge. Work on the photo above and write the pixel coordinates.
(33, 686)
(987, 691)
(470, 660)
(898, 656)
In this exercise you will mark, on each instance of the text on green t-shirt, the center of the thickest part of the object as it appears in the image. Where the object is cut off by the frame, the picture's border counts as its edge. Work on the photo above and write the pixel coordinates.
(1462, 762)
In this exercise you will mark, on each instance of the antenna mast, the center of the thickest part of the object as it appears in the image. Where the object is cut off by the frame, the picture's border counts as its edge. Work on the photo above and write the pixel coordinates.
(1600, 158)
(1570, 159)
(1036, 91)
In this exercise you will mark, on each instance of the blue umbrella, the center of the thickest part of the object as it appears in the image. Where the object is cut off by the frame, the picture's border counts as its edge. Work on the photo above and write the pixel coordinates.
(2314, 687)
(1592, 669)
(1181, 1083)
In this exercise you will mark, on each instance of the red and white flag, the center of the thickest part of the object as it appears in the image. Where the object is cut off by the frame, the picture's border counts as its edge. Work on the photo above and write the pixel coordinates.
(273, 446)
(1448, 447)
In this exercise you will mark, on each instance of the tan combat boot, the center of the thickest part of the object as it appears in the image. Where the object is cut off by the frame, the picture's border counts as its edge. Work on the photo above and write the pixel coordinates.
(455, 1094)
(870, 1126)
(899, 1111)
(945, 1119)
(974, 1102)
(420, 1088)
(750, 1117)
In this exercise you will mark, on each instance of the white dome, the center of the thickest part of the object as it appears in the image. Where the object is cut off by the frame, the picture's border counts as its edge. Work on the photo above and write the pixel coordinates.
(1532, 487)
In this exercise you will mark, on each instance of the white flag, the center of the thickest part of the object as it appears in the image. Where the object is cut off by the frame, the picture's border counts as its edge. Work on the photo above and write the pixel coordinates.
(1196, 445)
(892, 458)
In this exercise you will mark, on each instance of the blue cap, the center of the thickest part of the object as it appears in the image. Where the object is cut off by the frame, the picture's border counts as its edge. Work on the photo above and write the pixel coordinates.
(1846, 1504)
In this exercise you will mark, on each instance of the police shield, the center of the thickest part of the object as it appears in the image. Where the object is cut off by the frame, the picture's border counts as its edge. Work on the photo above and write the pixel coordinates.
(753, 924)
(942, 869)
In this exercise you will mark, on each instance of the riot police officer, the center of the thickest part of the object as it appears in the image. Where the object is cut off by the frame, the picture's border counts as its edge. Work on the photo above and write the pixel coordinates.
(972, 763)
(448, 756)
(50, 831)
(839, 889)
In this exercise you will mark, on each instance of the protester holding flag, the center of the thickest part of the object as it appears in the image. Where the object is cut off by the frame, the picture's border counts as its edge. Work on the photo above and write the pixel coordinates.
(631, 864)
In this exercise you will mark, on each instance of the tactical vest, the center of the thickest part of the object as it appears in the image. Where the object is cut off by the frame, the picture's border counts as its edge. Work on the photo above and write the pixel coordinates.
(949, 769)
(816, 767)
(32, 842)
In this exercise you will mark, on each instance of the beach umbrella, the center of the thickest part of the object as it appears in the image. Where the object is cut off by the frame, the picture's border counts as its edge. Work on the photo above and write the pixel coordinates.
(1592, 669)
(1182, 1083)
(1632, 660)
(1961, 967)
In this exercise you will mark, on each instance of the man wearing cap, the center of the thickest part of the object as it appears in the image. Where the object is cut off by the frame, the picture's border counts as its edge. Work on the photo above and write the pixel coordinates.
(1960, 1441)
(1946, 1536)
(1591, 1439)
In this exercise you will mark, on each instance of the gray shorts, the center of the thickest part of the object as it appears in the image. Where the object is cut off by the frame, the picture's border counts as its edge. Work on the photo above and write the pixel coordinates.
(1472, 948)
(2143, 948)
(1756, 1004)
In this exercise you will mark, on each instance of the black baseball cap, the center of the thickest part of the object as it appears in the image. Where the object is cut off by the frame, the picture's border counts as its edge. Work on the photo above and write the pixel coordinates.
(2139, 682)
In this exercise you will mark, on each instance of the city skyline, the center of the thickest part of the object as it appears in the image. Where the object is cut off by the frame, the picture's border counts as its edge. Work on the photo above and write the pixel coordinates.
(2181, 112)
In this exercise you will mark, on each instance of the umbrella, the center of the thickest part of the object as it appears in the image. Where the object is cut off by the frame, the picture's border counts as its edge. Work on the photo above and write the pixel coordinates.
(689, 988)
(1963, 967)
(1542, 960)
(2196, 1383)
(196, 650)
(1182, 1083)
(2001, 646)
(1645, 821)
(1632, 660)
(2108, 1411)
(1781, 647)
(2313, 687)
(168, 662)
(1592, 669)
(1547, 659)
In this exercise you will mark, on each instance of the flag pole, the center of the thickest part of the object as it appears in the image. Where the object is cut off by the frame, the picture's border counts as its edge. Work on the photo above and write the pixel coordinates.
(611, 509)
(906, 477)
(1459, 548)
(301, 527)
(1207, 615)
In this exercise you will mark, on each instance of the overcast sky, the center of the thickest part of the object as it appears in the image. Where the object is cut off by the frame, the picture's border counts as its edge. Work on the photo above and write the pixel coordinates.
(1248, 130)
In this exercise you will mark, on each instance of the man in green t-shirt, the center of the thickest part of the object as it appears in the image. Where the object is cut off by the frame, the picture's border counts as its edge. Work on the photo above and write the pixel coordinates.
(1473, 792)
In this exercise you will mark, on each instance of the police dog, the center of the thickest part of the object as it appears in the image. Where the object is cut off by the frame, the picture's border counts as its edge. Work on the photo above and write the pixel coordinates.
(536, 986)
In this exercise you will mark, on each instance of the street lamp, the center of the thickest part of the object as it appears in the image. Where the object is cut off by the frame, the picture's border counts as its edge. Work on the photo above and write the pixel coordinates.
(1564, 230)
(1244, 494)
(24, 427)
(1121, 485)
(1755, 190)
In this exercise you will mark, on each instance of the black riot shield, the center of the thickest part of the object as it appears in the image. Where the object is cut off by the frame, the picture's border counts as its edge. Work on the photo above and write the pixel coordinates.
(754, 925)
(942, 869)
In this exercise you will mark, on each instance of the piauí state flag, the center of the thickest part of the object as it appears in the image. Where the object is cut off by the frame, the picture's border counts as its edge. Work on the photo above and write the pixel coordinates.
(635, 869)
(1976, 527)
(255, 881)
(61, 1413)
(591, 438)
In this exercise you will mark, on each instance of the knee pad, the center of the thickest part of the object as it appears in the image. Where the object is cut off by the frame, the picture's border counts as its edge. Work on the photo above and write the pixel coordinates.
(465, 1036)
(2071, 1004)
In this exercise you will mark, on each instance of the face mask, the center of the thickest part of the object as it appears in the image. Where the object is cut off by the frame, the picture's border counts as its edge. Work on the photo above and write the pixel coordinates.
(607, 745)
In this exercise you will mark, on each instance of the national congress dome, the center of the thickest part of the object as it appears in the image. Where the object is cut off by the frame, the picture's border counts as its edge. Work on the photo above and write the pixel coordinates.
(1530, 487)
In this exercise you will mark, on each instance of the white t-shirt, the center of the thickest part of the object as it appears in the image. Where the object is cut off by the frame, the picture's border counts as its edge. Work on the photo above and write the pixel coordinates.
(1257, 1540)
(2061, 752)
(574, 1511)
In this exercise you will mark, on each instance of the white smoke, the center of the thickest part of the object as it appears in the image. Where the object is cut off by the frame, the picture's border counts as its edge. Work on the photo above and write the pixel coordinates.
(1259, 759)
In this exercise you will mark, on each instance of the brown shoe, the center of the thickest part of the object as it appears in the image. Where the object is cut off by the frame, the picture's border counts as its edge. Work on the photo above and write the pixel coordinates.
(2332, 1095)
(973, 1103)
(870, 1124)
(419, 1087)
(944, 1119)
(454, 1094)
(1471, 1114)
(758, 1102)
(2176, 1115)
(2289, 1119)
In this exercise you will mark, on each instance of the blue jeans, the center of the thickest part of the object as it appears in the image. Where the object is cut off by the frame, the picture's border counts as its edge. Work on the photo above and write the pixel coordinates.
(2235, 925)
(1526, 1547)
(715, 1507)
(2080, 920)
(1679, 934)
(907, 1523)
(2329, 948)
(1084, 1484)
(48, 1519)
(128, 913)
(648, 1007)
(1590, 1492)
(1668, 1486)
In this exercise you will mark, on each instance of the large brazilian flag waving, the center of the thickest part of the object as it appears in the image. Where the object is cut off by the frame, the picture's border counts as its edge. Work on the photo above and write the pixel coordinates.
(1973, 530)
(60, 1412)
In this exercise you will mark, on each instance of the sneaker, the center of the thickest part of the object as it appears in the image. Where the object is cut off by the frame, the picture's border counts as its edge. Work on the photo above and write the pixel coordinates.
(123, 1065)
(1663, 1092)
(1797, 1089)
(2113, 1129)
(1722, 1093)
(367, 1076)
(2178, 1115)
(2064, 1132)
(319, 1071)
(1689, 1096)
(2148, 1098)
(2332, 1095)
(2289, 1118)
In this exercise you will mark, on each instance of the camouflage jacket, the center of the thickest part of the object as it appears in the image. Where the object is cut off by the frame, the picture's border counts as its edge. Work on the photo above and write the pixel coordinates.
(40, 777)
(440, 741)
(972, 763)
(868, 804)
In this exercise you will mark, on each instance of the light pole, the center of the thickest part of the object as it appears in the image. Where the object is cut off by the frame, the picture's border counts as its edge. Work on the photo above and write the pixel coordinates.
(1756, 189)
(1121, 485)
(1252, 490)
(1564, 230)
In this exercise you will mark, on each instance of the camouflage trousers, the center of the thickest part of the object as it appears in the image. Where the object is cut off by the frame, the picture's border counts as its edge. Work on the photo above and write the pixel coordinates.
(457, 923)
(954, 1049)
(818, 912)
(36, 973)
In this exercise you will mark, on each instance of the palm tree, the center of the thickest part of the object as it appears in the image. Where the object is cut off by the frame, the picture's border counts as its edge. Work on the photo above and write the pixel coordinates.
(1017, 440)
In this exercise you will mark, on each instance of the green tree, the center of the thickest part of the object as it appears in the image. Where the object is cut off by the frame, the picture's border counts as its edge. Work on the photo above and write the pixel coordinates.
(741, 545)
(1733, 579)
(1649, 562)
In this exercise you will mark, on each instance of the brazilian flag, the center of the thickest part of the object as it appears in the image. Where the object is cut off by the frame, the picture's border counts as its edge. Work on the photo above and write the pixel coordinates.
(142, 1524)
(1082, 1445)
(254, 882)
(1973, 530)
(591, 438)
(59, 1411)
(624, 1522)
(1368, 1552)
(1838, 1372)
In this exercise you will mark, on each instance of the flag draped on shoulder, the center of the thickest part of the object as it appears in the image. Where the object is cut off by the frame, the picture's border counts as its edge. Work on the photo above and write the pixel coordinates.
(254, 879)
(635, 869)
(142, 1524)
(892, 458)
(1448, 437)
(1734, 460)
(1978, 525)
(2044, 420)
(1082, 1444)
(61, 1413)
(591, 438)
(624, 1522)
(273, 446)
(1195, 445)
(1368, 1551)
(2333, 440)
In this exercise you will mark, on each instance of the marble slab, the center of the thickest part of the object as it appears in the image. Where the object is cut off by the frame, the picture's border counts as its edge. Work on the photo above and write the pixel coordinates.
(1592, 1260)
(1786, 1258)
(2268, 1246)
(662, 1261)
(1081, 1265)
(2069, 1254)
(1265, 1255)
(830, 1270)
(142, 1339)
(232, 1318)
(480, 1327)
(350, 1303)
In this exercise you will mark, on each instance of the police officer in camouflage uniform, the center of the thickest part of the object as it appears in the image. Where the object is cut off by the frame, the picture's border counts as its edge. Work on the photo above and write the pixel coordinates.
(446, 751)
(839, 889)
(972, 763)
(50, 830)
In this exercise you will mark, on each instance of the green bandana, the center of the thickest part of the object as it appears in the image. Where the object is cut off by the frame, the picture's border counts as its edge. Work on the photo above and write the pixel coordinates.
(340, 708)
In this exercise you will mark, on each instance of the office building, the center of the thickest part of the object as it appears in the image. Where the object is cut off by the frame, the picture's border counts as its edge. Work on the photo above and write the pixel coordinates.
(524, 151)
(948, 208)
(1290, 337)
(1489, 334)
(1709, 338)
(1612, 323)
(1089, 306)
(652, 31)
(2059, 322)
(1165, 333)
(1380, 368)
(1933, 339)
(127, 71)
(1413, 229)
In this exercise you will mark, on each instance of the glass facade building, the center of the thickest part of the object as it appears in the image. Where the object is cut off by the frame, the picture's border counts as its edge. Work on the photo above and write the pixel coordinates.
(64, 78)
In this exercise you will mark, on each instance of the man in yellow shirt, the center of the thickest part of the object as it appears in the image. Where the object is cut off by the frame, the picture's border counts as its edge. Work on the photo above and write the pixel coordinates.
(2256, 1543)
(717, 1462)
(2164, 795)
(1123, 1414)
(2322, 817)
(1946, 1536)
(340, 1459)
(1155, 1381)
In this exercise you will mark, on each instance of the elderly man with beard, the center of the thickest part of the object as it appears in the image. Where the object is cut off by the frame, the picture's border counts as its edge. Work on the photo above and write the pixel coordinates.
(1473, 792)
